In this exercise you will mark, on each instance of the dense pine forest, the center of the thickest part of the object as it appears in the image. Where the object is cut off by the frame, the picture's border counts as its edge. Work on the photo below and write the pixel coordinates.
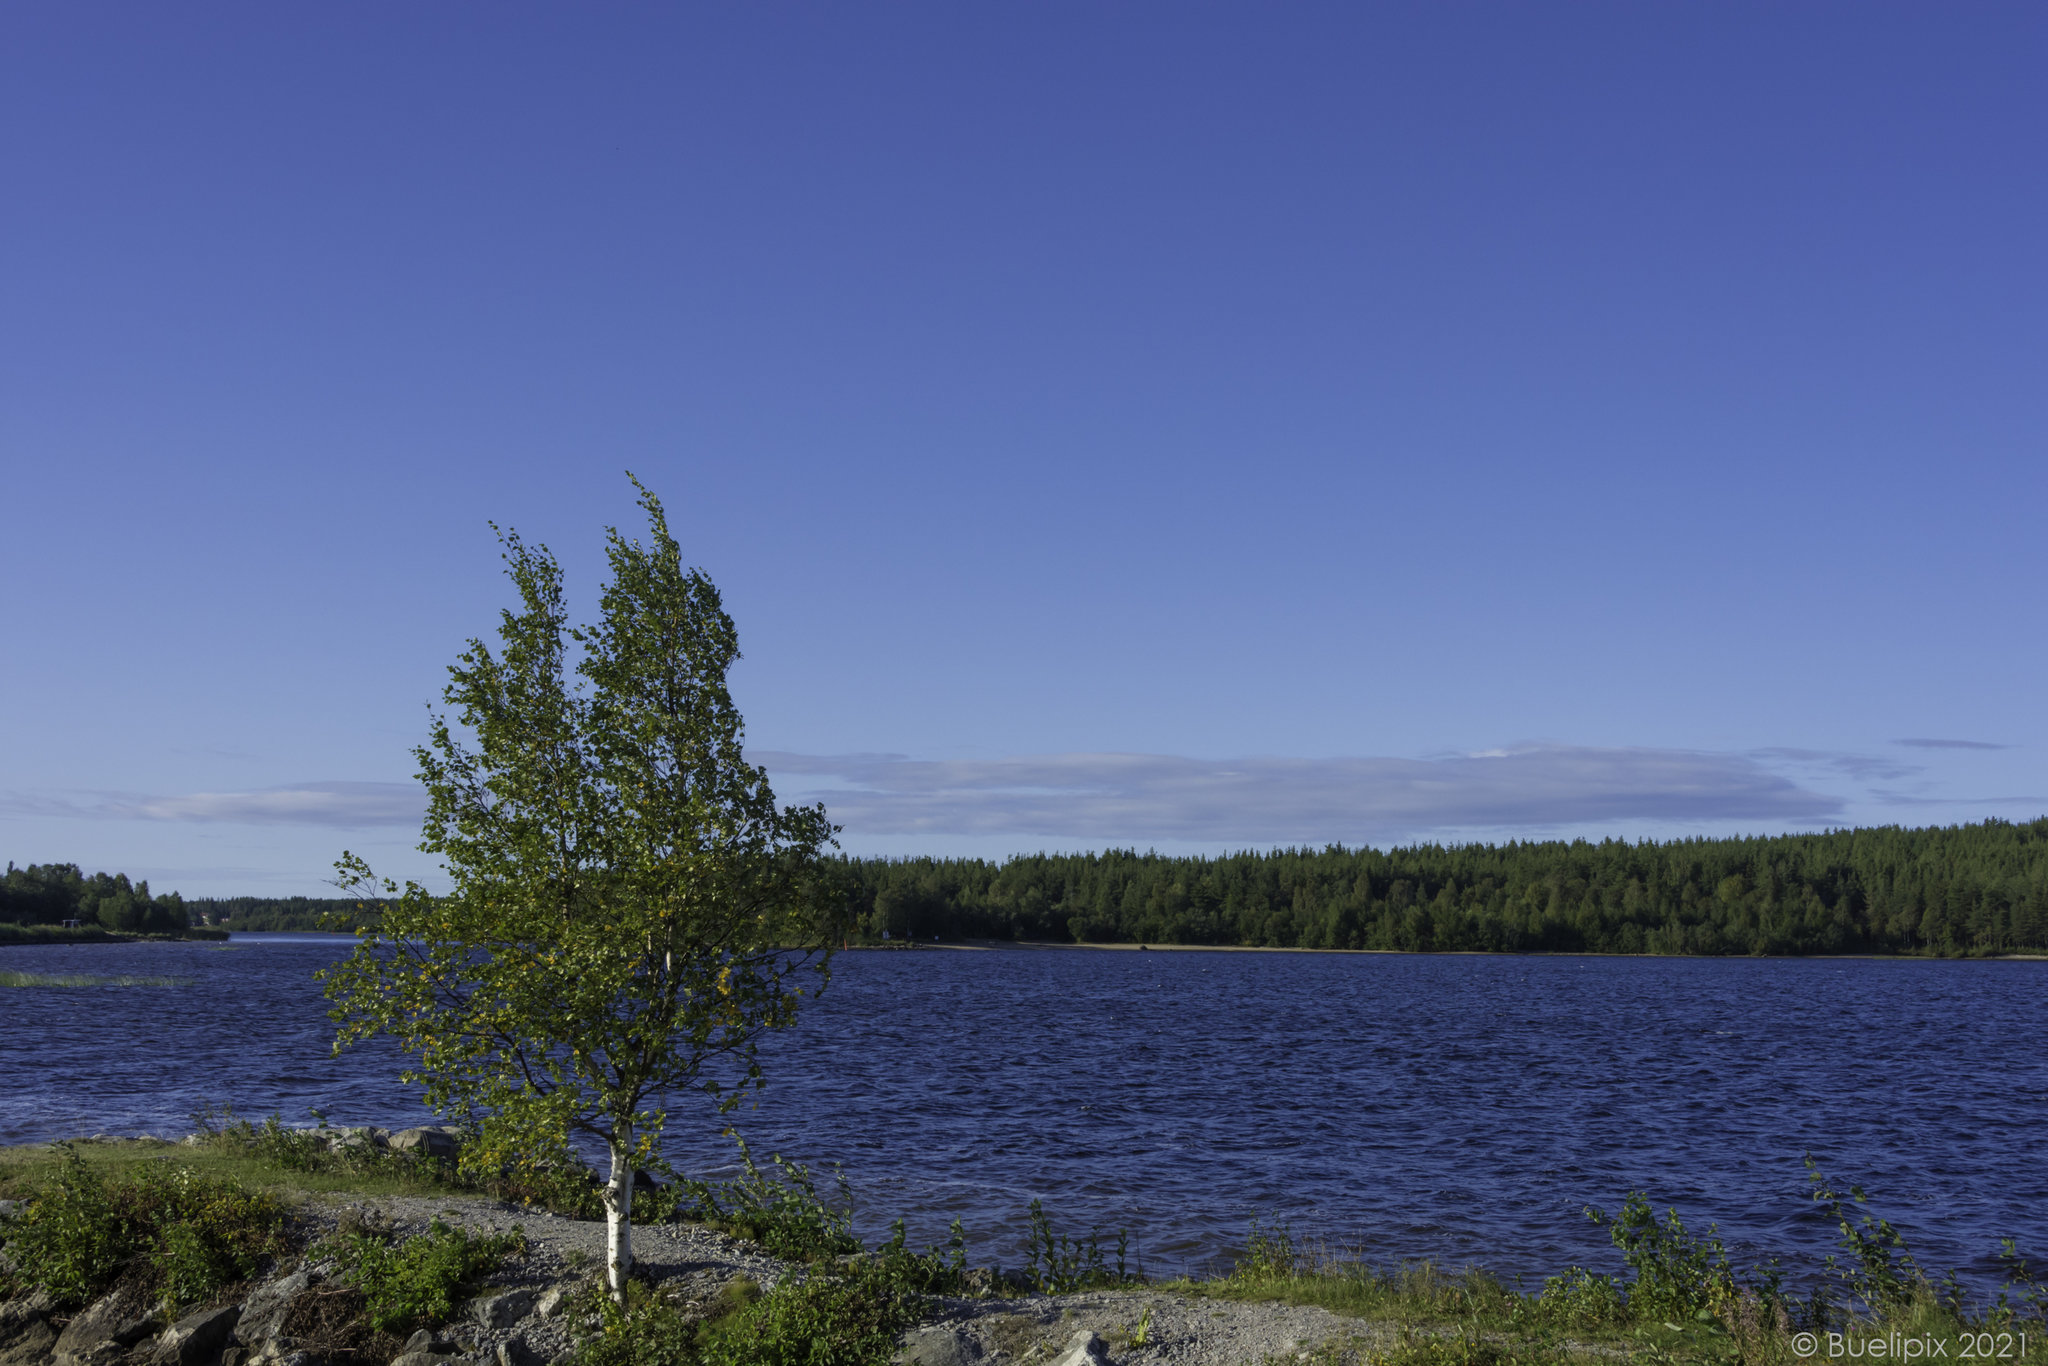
(1953, 891)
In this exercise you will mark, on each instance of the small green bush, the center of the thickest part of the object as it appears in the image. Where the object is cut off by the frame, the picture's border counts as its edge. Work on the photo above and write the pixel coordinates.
(415, 1283)
(185, 1235)
(1581, 1299)
(649, 1331)
(847, 1319)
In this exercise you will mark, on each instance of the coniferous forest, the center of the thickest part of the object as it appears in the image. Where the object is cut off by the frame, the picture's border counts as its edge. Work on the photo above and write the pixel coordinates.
(1949, 891)
(1973, 889)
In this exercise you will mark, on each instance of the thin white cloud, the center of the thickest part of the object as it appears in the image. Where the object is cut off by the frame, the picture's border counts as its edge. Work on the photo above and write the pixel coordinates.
(1951, 744)
(343, 806)
(1138, 797)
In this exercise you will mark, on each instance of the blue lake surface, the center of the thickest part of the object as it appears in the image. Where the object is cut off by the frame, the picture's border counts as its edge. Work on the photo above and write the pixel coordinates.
(1464, 1108)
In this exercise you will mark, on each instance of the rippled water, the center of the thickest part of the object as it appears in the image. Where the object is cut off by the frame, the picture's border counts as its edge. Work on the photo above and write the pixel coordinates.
(1464, 1108)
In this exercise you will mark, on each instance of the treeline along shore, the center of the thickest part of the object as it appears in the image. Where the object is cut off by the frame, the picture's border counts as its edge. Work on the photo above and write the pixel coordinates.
(1955, 891)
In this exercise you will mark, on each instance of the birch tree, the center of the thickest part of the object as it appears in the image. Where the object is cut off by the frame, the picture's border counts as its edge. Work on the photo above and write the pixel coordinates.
(629, 912)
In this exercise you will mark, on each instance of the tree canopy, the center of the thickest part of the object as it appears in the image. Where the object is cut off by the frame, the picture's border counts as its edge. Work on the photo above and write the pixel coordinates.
(630, 909)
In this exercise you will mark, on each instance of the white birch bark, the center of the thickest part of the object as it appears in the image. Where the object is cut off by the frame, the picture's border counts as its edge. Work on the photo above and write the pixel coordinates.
(618, 1214)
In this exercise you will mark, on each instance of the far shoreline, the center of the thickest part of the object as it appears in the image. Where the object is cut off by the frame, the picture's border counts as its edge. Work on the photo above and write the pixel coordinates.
(1039, 945)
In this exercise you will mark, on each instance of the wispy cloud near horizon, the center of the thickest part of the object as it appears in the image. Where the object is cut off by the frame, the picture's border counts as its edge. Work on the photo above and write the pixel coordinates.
(1132, 797)
(1951, 744)
(337, 805)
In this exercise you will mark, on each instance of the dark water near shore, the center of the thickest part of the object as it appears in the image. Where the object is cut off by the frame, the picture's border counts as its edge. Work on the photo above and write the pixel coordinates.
(1462, 1108)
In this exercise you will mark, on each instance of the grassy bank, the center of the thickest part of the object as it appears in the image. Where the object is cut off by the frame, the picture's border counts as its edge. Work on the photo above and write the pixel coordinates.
(11, 934)
(232, 1195)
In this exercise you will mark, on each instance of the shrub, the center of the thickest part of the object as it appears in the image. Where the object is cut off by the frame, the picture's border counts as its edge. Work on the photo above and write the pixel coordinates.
(648, 1331)
(185, 1235)
(848, 1319)
(1677, 1274)
(414, 1283)
(1580, 1299)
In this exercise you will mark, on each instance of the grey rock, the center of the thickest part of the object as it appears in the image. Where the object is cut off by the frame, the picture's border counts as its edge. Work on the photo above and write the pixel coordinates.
(30, 1308)
(263, 1314)
(109, 1326)
(550, 1302)
(429, 1140)
(504, 1310)
(937, 1346)
(426, 1359)
(10, 1209)
(32, 1342)
(1083, 1349)
(197, 1338)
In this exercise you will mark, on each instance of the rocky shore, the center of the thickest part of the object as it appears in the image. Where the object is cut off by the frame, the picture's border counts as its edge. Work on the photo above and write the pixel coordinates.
(532, 1309)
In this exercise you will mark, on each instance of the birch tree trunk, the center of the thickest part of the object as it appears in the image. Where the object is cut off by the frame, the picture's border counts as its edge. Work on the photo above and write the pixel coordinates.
(618, 1214)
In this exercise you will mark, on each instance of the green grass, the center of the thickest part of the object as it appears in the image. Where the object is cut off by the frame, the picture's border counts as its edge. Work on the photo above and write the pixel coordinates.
(24, 1168)
(87, 979)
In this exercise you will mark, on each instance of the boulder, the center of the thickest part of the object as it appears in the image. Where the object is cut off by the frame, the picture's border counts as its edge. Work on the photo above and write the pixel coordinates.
(551, 1300)
(1083, 1349)
(937, 1346)
(197, 1338)
(264, 1312)
(502, 1310)
(109, 1326)
(425, 1340)
(513, 1351)
(429, 1140)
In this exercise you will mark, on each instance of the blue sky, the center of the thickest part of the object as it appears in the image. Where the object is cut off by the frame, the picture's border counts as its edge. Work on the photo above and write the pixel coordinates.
(1186, 426)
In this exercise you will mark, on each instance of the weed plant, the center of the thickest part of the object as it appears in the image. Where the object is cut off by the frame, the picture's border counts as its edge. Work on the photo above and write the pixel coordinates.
(1058, 1265)
(1681, 1302)
(784, 1213)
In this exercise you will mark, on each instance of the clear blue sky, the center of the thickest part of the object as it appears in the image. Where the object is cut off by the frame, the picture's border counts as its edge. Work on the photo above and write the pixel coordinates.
(1176, 425)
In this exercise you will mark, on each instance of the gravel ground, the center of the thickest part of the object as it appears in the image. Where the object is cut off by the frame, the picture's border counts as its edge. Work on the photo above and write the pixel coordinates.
(1182, 1330)
(560, 1252)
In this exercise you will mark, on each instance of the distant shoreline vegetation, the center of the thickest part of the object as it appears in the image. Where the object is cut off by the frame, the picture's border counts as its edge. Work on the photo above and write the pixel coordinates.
(55, 903)
(1955, 891)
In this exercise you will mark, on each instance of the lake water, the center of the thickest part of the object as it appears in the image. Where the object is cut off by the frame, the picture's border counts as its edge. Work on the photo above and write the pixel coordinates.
(1461, 1108)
